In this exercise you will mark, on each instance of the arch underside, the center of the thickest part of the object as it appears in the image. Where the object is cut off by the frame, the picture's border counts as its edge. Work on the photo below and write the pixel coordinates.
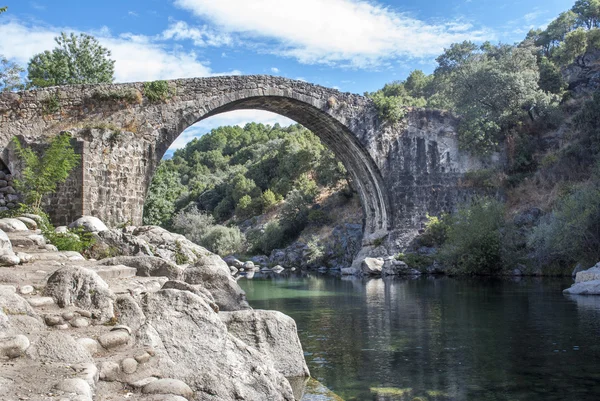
(337, 137)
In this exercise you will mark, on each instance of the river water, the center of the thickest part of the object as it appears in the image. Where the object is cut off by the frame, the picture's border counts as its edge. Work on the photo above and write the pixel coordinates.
(441, 338)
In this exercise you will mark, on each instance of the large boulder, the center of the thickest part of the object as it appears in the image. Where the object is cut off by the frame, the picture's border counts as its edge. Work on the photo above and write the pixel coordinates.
(193, 345)
(372, 266)
(83, 288)
(5, 243)
(590, 274)
(117, 242)
(213, 273)
(587, 282)
(272, 333)
(10, 225)
(197, 289)
(90, 224)
(56, 346)
(147, 266)
(170, 246)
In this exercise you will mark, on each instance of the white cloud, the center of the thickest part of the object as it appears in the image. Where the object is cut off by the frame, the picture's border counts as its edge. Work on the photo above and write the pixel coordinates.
(138, 57)
(239, 117)
(355, 33)
(275, 70)
(202, 36)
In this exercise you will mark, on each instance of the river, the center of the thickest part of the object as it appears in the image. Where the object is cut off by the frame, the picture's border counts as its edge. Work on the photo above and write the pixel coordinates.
(441, 339)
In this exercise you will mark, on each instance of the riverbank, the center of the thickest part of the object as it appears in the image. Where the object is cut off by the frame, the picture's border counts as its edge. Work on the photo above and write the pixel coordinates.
(138, 326)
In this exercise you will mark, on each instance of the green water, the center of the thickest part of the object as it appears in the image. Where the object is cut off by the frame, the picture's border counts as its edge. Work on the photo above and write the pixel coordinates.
(442, 339)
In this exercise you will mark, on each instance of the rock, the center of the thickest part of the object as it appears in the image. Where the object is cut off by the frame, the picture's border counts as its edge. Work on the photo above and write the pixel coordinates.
(35, 217)
(56, 346)
(260, 259)
(272, 333)
(11, 225)
(89, 344)
(516, 272)
(213, 273)
(51, 248)
(12, 304)
(197, 289)
(80, 322)
(277, 269)
(578, 268)
(147, 266)
(83, 288)
(590, 274)
(26, 289)
(68, 316)
(372, 266)
(5, 243)
(233, 262)
(171, 246)
(13, 346)
(233, 270)
(89, 224)
(75, 386)
(118, 242)
(30, 223)
(249, 266)
(24, 257)
(38, 302)
(51, 320)
(109, 371)
(194, 346)
(141, 383)
(168, 386)
(11, 289)
(143, 357)
(393, 267)
(61, 229)
(129, 312)
(88, 372)
(84, 313)
(114, 339)
(590, 287)
(8, 258)
(129, 365)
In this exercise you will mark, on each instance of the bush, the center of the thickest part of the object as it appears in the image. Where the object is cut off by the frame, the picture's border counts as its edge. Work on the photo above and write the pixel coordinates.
(436, 231)
(571, 233)
(76, 239)
(223, 240)
(157, 91)
(474, 243)
(193, 223)
(271, 238)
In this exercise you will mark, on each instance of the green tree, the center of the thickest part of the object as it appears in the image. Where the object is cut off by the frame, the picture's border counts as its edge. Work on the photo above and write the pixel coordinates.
(587, 12)
(10, 75)
(76, 60)
(42, 174)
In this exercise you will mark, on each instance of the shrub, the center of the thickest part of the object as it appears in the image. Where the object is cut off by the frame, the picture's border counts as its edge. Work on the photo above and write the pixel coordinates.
(571, 233)
(157, 91)
(436, 231)
(474, 243)
(415, 261)
(76, 239)
(193, 223)
(223, 240)
(272, 237)
(315, 252)
(318, 217)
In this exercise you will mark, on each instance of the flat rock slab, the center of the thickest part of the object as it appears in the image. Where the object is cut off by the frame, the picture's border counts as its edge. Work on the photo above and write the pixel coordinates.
(591, 287)
(168, 386)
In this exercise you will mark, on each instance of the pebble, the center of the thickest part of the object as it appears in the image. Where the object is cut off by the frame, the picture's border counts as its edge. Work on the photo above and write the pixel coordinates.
(142, 358)
(13, 346)
(68, 316)
(114, 339)
(26, 289)
(40, 301)
(109, 371)
(63, 326)
(77, 386)
(85, 313)
(52, 320)
(90, 344)
(168, 386)
(79, 322)
(141, 383)
(129, 365)
(88, 372)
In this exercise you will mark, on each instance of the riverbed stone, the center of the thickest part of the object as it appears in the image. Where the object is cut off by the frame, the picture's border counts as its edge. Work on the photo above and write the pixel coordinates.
(372, 266)
(89, 224)
(168, 386)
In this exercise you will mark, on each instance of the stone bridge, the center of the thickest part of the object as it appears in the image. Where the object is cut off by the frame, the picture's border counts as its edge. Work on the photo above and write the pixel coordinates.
(401, 171)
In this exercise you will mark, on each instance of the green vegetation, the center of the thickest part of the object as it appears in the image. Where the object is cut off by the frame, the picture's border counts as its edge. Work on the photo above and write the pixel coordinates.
(51, 104)
(129, 96)
(157, 91)
(10, 76)
(76, 60)
(233, 174)
(42, 173)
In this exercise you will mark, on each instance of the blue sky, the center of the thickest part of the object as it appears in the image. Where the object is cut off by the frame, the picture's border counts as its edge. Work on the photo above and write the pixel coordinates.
(350, 45)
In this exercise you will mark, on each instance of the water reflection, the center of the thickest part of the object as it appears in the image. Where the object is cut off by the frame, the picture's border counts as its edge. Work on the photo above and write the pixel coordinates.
(444, 339)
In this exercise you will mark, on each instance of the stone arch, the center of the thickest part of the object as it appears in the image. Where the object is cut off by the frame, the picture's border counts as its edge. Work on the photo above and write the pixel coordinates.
(317, 115)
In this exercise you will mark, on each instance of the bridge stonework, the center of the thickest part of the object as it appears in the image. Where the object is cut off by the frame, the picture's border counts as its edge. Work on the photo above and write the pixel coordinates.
(401, 171)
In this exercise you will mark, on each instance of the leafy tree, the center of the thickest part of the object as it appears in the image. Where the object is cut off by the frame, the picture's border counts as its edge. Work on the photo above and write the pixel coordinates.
(42, 174)
(76, 60)
(165, 190)
(587, 12)
(10, 75)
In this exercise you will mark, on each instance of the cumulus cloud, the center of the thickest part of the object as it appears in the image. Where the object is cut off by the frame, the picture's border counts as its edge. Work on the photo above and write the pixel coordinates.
(137, 57)
(201, 36)
(355, 33)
